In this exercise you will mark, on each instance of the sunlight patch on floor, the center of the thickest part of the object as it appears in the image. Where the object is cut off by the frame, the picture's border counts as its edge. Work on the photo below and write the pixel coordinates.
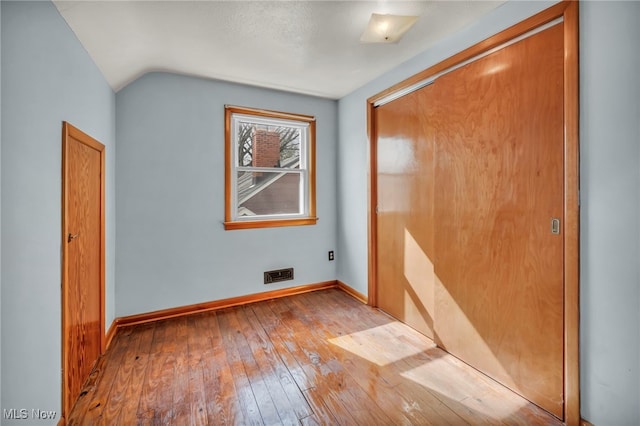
(377, 345)
(436, 375)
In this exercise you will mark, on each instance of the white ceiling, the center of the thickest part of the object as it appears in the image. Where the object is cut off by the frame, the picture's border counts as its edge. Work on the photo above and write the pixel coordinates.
(310, 47)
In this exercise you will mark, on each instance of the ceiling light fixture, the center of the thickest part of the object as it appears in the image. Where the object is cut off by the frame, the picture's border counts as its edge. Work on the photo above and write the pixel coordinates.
(387, 28)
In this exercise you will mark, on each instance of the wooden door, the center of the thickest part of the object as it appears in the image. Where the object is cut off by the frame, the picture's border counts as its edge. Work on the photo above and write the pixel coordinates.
(83, 259)
(499, 183)
(405, 276)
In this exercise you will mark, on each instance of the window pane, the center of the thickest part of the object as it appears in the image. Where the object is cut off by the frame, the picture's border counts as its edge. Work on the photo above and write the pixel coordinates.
(268, 193)
(268, 146)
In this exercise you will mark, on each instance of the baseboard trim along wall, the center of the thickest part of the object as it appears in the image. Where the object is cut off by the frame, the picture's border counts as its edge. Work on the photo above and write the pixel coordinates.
(130, 320)
(353, 293)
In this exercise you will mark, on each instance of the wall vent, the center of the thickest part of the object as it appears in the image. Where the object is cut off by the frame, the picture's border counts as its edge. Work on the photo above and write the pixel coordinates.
(278, 275)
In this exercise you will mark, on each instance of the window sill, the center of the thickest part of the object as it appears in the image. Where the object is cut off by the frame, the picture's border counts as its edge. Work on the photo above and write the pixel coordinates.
(253, 224)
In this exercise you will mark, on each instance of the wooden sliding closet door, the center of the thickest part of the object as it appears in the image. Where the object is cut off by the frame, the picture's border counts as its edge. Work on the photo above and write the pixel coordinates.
(405, 276)
(499, 184)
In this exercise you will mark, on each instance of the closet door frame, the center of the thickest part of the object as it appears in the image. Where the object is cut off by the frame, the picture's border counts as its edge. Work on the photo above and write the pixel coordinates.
(568, 11)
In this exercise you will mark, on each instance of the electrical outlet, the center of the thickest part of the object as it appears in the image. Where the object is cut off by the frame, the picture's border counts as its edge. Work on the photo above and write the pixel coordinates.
(331, 256)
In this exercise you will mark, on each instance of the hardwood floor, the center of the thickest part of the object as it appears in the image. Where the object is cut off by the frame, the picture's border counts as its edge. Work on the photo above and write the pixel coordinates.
(316, 358)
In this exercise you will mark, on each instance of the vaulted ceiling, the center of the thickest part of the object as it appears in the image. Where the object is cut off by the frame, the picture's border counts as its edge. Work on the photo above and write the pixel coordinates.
(310, 47)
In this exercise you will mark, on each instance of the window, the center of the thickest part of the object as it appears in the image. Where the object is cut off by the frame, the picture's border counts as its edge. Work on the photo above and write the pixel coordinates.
(270, 169)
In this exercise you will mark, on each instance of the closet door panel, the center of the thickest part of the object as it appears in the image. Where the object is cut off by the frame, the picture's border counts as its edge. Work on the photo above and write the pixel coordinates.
(498, 185)
(405, 276)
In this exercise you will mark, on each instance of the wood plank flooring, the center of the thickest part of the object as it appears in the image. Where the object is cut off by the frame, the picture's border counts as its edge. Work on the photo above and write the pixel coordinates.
(319, 358)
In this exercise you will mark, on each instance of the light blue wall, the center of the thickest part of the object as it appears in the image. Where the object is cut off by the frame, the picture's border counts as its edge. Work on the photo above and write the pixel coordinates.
(172, 248)
(610, 182)
(47, 77)
(610, 213)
